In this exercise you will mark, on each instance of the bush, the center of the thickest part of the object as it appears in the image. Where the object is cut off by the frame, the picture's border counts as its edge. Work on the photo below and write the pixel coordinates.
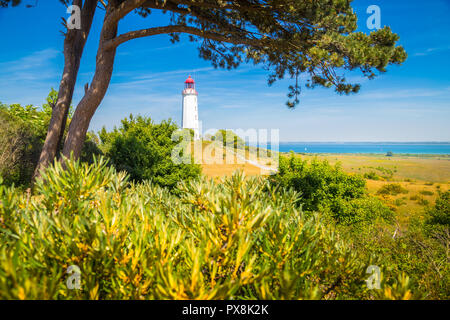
(237, 239)
(229, 139)
(22, 134)
(440, 214)
(91, 148)
(386, 173)
(362, 210)
(426, 192)
(329, 189)
(23, 130)
(372, 175)
(392, 189)
(423, 202)
(408, 251)
(144, 149)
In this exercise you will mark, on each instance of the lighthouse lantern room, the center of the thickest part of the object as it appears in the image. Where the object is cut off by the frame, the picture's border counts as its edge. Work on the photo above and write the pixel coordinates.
(190, 107)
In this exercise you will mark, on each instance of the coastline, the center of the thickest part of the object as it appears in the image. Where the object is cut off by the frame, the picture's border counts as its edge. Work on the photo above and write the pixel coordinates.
(417, 149)
(381, 155)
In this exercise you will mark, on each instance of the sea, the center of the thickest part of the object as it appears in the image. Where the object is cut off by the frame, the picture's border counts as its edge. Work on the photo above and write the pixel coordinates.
(366, 147)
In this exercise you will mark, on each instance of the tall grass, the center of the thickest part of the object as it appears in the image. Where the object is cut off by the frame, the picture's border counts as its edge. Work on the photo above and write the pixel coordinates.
(234, 239)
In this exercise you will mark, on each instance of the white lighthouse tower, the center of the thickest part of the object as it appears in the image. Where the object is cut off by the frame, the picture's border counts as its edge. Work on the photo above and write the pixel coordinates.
(190, 107)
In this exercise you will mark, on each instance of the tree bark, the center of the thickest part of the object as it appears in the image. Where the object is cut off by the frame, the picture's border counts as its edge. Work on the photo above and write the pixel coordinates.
(74, 43)
(95, 93)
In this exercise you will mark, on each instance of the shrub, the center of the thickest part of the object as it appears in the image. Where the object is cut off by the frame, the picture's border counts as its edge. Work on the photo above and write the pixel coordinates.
(426, 192)
(387, 173)
(372, 175)
(237, 239)
(407, 251)
(392, 189)
(22, 134)
(329, 189)
(362, 210)
(399, 202)
(423, 202)
(23, 130)
(91, 148)
(440, 213)
(229, 139)
(143, 149)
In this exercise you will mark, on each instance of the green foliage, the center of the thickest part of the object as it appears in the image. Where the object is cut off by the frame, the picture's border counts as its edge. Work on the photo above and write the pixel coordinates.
(384, 173)
(416, 251)
(387, 173)
(392, 189)
(143, 149)
(426, 192)
(399, 202)
(23, 130)
(318, 181)
(329, 189)
(22, 134)
(423, 202)
(372, 175)
(229, 139)
(74, 181)
(91, 148)
(364, 210)
(440, 214)
(237, 239)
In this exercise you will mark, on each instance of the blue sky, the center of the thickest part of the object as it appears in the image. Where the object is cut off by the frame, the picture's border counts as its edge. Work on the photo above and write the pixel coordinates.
(408, 103)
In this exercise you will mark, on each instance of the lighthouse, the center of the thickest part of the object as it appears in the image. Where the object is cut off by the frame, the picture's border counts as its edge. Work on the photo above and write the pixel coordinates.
(190, 107)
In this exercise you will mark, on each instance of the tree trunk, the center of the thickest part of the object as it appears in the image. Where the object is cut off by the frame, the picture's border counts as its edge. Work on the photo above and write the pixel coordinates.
(74, 43)
(94, 95)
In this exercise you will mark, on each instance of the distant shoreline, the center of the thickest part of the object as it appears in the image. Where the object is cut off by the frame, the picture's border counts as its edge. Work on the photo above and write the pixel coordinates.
(361, 148)
(424, 155)
(370, 142)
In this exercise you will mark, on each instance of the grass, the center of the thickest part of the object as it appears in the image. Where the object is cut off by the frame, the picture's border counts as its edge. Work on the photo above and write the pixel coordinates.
(220, 162)
(426, 169)
(419, 177)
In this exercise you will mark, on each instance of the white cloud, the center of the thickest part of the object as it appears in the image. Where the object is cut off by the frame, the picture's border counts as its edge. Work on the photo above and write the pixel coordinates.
(404, 93)
(31, 63)
(28, 79)
(431, 51)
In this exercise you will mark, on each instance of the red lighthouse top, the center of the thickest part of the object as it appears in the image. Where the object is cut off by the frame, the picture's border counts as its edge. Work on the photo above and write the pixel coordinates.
(189, 80)
(189, 86)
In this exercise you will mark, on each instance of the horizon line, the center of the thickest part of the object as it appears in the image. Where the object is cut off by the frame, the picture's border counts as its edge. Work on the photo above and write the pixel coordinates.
(405, 142)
